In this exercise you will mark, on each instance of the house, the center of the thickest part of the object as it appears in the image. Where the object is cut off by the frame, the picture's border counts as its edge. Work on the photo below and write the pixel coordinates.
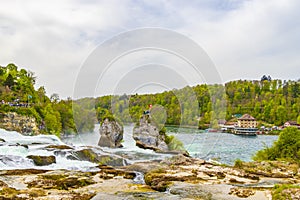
(221, 122)
(291, 123)
(247, 121)
(246, 126)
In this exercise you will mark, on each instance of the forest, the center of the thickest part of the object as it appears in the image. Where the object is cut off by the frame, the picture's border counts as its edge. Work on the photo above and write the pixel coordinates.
(271, 102)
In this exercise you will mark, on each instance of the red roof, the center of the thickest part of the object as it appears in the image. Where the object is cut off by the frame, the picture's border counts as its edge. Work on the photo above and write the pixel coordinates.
(292, 123)
(246, 117)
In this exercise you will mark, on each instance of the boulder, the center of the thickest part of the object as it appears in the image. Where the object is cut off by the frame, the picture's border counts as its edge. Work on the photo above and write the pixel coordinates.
(96, 157)
(149, 136)
(42, 160)
(111, 134)
(61, 147)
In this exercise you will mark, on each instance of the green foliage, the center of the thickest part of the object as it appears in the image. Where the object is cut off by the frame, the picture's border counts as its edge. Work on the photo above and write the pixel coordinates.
(84, 115)
(270, 101)
(279, 192)
(52, 120)
(66, 113)
(9, 81)
(173, 143)
(238, 163)
(17, 86)
(287, 147)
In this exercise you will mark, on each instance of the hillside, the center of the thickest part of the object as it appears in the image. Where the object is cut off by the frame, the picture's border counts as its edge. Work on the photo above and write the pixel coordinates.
(270, 101)
(18, 95)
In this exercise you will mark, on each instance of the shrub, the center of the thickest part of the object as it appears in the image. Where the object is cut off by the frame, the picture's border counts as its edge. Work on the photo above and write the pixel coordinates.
(238, 163)
(287, 147)
(173, 143)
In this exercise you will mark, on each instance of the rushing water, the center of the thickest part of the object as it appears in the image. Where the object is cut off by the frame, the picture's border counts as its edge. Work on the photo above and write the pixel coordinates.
(222, 147)
(16, 148)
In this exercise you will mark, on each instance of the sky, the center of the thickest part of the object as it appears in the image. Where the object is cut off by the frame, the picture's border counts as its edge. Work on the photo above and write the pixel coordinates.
(244, 39)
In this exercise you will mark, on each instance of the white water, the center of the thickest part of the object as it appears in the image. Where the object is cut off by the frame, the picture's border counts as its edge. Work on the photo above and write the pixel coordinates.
(13, 155)
(225, 147)
(129, 150)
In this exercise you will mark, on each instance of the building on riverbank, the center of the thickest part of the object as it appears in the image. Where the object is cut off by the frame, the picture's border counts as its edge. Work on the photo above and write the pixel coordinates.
(246, 125)
(291, 124)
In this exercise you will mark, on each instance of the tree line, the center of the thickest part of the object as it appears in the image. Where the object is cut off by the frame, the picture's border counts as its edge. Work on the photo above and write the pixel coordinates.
(270, 101)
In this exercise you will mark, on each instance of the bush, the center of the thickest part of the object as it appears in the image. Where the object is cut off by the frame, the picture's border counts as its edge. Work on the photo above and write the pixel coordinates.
(287, 147)
(173, 143)
(280, 192)
(238, 163)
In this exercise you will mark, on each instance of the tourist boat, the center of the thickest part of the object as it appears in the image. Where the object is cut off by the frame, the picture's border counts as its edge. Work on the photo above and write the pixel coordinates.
(245, 131)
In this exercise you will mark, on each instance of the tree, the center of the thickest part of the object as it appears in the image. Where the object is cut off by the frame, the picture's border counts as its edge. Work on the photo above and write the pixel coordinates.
(52, 120)
(9, 81)
(287, 147)
(54, 98)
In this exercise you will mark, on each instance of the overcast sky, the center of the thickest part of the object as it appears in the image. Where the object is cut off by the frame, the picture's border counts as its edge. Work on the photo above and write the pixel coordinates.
(245, 39)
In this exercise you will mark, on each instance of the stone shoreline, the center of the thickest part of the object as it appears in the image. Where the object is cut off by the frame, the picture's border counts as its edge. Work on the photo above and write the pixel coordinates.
(178, 177)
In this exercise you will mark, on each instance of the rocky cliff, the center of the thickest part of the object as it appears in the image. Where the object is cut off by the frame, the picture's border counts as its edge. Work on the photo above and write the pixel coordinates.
(23, 124)
(111, 134)
(148, 136)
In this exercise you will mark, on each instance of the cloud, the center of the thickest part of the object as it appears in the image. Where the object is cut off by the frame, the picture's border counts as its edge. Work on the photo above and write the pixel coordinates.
(245, 38)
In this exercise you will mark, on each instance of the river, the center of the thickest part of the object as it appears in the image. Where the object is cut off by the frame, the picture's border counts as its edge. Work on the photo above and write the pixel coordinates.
(221, 147)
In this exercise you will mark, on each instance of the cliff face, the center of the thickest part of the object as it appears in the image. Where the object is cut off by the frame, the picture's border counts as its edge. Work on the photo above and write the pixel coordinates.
(23, 124)
(111, 134)
(147, 136)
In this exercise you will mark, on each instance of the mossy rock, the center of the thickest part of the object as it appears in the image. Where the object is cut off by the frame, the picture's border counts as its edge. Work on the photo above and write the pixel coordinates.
(91, 156)
(157, 181)
(109, 173)
(62, 180)
(9, 193)
(2, 184)
(274, 169)
(42, 160)
(21, 172)
(58, 147)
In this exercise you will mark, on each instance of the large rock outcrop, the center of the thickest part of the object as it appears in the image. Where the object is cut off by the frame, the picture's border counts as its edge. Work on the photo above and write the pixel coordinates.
(148, 136)
(25, 125)
(111, 134)
(98, 156)
(42, 160)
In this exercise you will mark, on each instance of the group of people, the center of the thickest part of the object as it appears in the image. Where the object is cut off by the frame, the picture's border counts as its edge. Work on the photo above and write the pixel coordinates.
(16, 103)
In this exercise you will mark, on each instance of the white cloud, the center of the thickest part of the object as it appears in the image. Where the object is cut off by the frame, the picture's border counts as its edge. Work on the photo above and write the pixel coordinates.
(245, 39)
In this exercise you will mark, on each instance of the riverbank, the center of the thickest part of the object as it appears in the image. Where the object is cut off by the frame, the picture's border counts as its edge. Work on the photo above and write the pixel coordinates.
(173, 178)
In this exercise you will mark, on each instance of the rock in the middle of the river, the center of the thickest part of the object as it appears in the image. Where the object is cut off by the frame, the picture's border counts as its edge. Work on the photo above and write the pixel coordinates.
(148, 136)
(111, 134)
